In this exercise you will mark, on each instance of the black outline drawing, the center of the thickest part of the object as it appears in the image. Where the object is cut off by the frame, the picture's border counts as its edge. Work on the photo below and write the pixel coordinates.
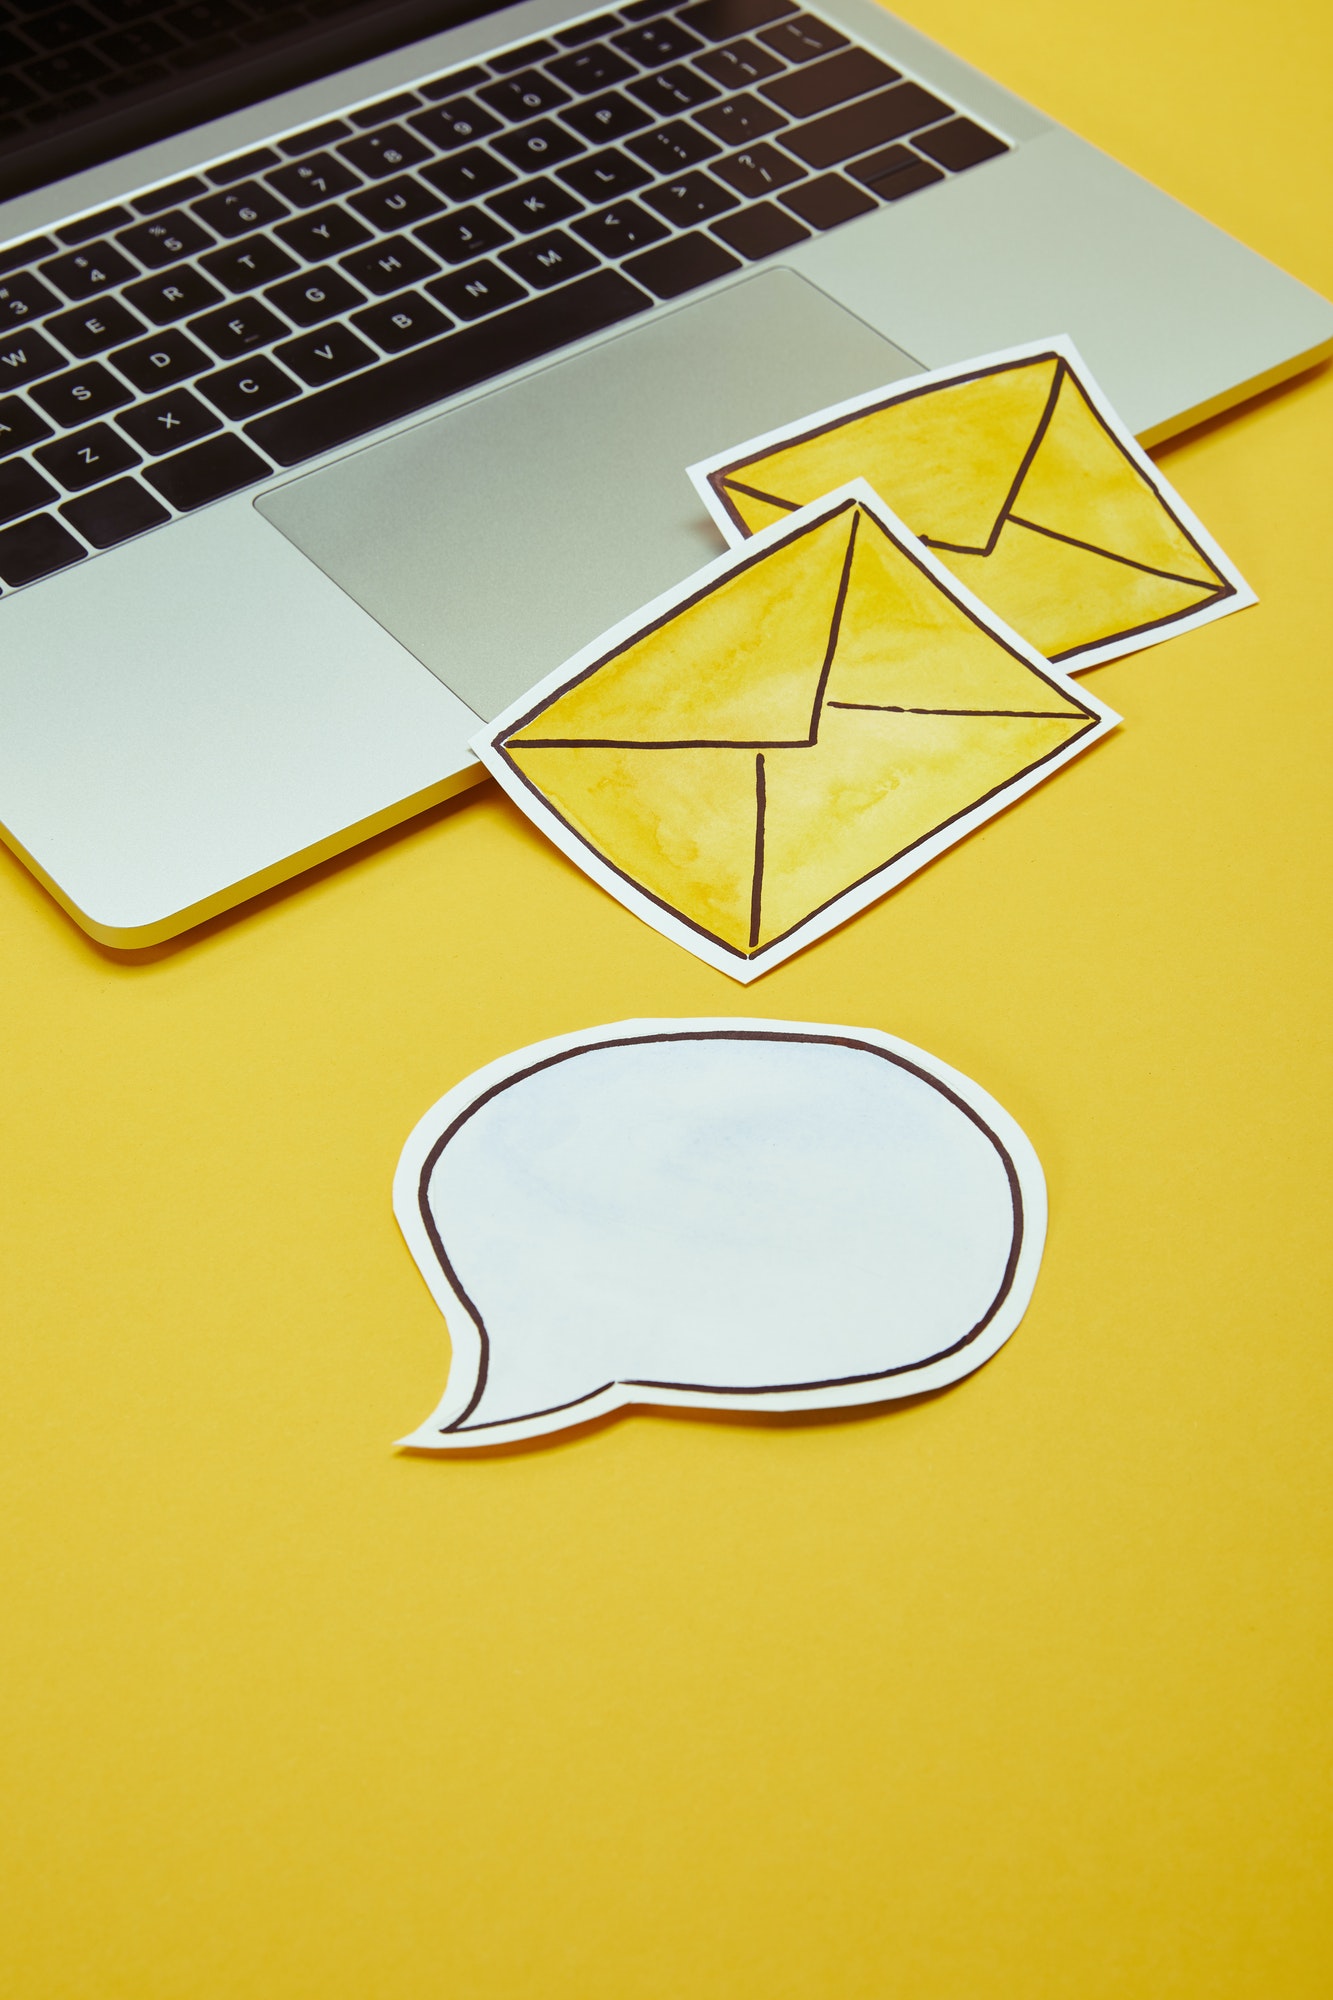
(738, 1034)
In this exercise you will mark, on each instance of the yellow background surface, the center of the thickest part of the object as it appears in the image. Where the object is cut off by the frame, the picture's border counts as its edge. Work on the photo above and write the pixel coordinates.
(1022, 1690)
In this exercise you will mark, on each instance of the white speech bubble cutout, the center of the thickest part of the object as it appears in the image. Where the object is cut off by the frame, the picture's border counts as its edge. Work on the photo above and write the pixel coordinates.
(716, 1214)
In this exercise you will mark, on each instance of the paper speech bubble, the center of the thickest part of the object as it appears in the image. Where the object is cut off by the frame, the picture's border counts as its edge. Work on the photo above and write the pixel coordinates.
(724, 1214)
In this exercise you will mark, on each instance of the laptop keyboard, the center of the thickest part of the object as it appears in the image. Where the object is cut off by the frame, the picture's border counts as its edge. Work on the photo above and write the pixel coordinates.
(164, 354)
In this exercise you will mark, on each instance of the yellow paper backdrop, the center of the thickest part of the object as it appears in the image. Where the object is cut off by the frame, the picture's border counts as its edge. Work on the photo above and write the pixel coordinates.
(1019, 1691)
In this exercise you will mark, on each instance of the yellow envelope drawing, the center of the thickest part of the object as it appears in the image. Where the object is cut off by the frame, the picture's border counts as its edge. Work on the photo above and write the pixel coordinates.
(787, 735)
(1020, 477)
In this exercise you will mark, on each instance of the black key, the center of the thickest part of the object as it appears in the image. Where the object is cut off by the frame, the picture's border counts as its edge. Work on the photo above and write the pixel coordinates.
(587, 31)
(242, 166)
(761, 231)
(858, 128)
(802, 38)
(515, 59)
(395, 204)
(115, 513)
(325, 356)
(241, 209)
(738, 66)
(520, 97)
(682, 265)
(445, 367)
(209, 472)
(758, 170)
(400, 323)
(828, 201)
(85, 392)
(15, 255)
(20, 425)
(740, 120)
(36, 548)
(92, 329)
(458, 124)
(590, 69)
(894, 172)
(173, 294)
(851, 74)
(384, 109)
(721, 19)
(23, 297)
(161, 361)
(244, 324)
(84, 272)
(307, 183)
(313, 139)
(673, 90)
(549, 260)
(644, 10)
(388, 151)
(468, 233)
(449, 86)
(537, 147)
(693, 198)
(672, 147)
(248, 388)
(658, 42)
(316, 296)
(24, 359)
(468, 175)
(961, 144)
(326, 233)
(535, 205)
(165, 240)
(388, 266)
(22, 489)
(170, 196)
(609, 117)
(480, 289)
(168, 422)
(255, 260)
(605, 175)
(88, 226)
(619, 231)
(87, 458)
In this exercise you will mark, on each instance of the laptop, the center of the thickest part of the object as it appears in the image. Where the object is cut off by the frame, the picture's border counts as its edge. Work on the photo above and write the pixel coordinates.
(351, 357)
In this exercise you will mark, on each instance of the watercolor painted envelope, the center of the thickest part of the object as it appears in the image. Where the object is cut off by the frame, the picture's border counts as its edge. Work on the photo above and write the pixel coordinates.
(771, 746)
(1018, 473)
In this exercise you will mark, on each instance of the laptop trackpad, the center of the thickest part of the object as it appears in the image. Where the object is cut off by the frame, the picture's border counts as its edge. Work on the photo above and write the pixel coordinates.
(495, 540)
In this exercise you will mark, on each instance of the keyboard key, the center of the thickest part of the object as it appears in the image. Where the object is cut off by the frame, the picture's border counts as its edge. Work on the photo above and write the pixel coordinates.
(804, 92)
(326, 233)
(515, 59)
(480, 289)
(244, 164)
(209, 472)
(672, 147)
(609, 117)
(719, 20)
(241, 209)
(605, 175)
(961, 144)
(861, 127)
(85, 392)
(587, 31)
(621, 230)
(761, 231)
(674, 90)
(248, 388)
(255, 260)
(549, 260)
(829, 201)
(165, 240)
(389, 266)
(590, 69)
(894, 172)
(87, 458)
(469, 174)
(739, 120)
(449, 86)
(449, 126)
(36, 548)
(394, 204)
(682, 265)
(536, 147)
(388, 151)
(468, 233)
(520, 97)
(384, 109)
(173, 294)
(461, 360)
(325, 356)
(115, 513)
(24, 359)
(314, 138)
(758, 170)
(801, 38)
(397, 324)
(15, 255)
(22, 489)
(739, 66)
(89, 330)
(535, 205)
(244, 324)
(84, 272)
(658, 42)
(20, 425)
(308, 182)
(171, 196)
(23, 297)
(161, 361)
(693, 198)
(168, 422)
(316, 296)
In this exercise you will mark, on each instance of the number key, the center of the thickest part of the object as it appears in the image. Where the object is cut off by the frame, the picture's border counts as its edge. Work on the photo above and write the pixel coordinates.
(165, 240)
(456, 124)
(23, 297)
(306, 183)
(384, 152)
(238, 210)
(84, 272)
(524, 95)
(658, 42)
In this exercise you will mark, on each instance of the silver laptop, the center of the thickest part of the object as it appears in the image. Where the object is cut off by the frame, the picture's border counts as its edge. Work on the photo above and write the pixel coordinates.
(348, 372)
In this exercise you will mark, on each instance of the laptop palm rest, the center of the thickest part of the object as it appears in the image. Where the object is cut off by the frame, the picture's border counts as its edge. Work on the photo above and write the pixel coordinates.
(495, 540)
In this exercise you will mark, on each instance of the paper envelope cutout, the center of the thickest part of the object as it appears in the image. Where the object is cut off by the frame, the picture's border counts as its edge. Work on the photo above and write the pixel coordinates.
(774, 744)
(1018, 473)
